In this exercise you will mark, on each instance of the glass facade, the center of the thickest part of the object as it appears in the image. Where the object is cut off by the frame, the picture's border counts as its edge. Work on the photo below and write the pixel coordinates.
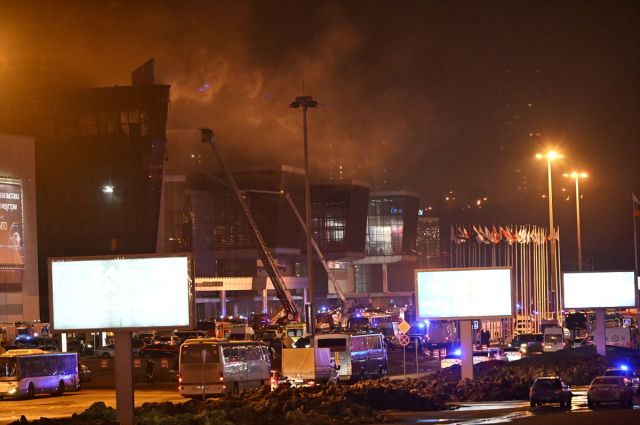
(338, 217)
(362, 275)
(428, 239)
(388, 217)
(272, 213)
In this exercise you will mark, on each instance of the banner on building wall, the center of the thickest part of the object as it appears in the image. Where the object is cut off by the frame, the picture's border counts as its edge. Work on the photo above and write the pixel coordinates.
(11, 240)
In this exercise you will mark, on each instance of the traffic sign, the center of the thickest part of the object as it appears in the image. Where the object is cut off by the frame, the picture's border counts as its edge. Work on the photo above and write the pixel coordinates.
(404, 340)
(404, 327)
(626, 323)
(45, 332)
(474, 324)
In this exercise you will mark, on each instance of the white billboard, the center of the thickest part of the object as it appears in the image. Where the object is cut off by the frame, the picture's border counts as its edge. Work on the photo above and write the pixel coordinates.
(121, 293)
(464, 293)
(611, 289)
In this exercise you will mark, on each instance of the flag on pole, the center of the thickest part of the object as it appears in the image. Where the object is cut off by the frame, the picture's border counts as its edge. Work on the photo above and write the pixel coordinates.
(487, 235)
(453, 234)
(479, 236)
(496, 235)
(505, 234)
(466, 235)
(636, 205)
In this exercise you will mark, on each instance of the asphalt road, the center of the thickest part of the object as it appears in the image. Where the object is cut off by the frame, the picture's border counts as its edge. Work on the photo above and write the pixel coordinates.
(77, 402)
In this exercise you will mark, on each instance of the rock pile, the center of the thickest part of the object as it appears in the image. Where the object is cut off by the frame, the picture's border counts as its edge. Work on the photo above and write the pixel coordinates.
(364, 402)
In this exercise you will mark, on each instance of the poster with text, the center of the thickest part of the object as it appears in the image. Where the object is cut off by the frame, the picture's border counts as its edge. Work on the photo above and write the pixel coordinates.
(121, 293)
(11, 240)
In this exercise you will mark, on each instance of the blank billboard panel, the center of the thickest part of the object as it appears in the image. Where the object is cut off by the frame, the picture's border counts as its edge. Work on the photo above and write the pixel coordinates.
(584, 290)
(121, 293)
(464, 293)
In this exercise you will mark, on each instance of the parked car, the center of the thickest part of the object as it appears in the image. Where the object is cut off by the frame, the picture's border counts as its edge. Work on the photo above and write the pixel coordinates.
(550, 389)
(276, 379)
(625, 373)
(158, 351)
(577, 340)
(486, 356)
(610, 389)
(84, 373)
(512, 353)
(170, 340)
(49, 348)
(451, 359)
(106, 352)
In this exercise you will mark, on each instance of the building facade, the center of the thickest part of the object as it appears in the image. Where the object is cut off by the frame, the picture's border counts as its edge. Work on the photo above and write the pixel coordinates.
(19, 295)
(99, 157)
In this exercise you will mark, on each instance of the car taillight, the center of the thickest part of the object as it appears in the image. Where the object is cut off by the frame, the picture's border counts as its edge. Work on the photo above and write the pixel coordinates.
(349, 369)
(532, 392)
(273, 380)
(179, 378)
(558, 391)
(221, 377)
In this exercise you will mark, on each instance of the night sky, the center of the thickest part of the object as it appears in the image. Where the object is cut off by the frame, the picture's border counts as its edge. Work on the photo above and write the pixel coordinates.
(413, 91)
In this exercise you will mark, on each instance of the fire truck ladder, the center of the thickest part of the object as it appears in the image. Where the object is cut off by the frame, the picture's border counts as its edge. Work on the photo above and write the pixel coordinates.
(290, 308)
(341, 298)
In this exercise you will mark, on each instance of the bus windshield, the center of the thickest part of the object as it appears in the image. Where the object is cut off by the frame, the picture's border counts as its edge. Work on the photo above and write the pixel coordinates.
(193, 353)
(7, 369)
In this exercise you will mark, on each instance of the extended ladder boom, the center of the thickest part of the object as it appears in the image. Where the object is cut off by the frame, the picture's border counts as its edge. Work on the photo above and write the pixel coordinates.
(282, 293)
(341, 297)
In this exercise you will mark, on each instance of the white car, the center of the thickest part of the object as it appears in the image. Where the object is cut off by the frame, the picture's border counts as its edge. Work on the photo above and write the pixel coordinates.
(512, 354)
(450, 360)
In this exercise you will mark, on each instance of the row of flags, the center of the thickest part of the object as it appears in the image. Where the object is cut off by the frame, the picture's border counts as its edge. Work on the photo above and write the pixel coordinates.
(525, 234)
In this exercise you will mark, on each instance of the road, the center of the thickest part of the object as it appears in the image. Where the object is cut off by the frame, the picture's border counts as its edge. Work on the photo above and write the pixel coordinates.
(77, 402)
(518, 412)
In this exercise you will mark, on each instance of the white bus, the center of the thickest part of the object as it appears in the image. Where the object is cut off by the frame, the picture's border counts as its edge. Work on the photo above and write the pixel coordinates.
(229, 366)
(28, 372)
(555, 338)
(358, 355)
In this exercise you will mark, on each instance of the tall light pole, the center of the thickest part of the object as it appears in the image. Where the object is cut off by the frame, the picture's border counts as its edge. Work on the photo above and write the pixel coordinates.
(307, 102)
(554, 278)
(576, 176)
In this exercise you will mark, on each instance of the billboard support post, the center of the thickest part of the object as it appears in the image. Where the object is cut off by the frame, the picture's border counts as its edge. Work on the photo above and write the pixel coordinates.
(466, 350)
(601, 339)
(125, 408)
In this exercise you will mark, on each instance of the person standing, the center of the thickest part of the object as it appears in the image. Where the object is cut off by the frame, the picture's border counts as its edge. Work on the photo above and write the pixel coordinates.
(150, 364)
(81, 349)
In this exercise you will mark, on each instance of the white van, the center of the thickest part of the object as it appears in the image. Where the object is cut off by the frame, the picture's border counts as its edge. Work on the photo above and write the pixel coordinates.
(241, 333)
(228, 367)
(555, 338)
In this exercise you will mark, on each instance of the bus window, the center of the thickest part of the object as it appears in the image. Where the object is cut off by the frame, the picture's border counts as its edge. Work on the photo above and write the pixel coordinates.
(334, 344)
(193, 354)
(376, 343)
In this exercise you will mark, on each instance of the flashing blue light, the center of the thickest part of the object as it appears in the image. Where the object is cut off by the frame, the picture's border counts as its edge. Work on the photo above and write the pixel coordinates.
(324, 308)
(421, 325)
(624, 367)
(357, 314)
(457, 352)
(518, 305)
(427, 322)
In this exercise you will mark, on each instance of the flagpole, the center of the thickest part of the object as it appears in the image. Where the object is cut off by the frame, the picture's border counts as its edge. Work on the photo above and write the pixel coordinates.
(635, 251)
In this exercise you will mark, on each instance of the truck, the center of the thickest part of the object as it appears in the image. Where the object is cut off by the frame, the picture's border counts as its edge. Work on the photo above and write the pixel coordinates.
(308, 366)
(442, 335)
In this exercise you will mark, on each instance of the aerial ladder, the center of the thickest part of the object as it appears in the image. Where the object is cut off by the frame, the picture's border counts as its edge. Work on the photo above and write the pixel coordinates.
(289, 308)
(344, 306)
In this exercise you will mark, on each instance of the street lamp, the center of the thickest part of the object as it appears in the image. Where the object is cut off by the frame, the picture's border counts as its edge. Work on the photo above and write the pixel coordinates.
(307, 102)
(576, 176)
(554, 278)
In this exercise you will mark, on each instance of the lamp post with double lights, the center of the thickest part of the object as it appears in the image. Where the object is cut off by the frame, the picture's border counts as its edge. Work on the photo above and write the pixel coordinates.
(307, 102)
(577, 176)
(554, 278)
